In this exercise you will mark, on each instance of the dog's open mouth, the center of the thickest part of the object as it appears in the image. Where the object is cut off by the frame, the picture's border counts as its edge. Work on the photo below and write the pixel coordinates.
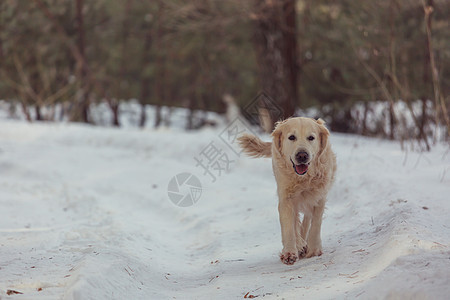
(300, 169)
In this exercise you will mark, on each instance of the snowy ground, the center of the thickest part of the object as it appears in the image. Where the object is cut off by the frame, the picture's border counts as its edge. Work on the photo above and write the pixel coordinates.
(85, 214)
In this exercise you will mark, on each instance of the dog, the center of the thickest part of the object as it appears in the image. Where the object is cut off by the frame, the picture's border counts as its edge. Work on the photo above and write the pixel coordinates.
(304, 167)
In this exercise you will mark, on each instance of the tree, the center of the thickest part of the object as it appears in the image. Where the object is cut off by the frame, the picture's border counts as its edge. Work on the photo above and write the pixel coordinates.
(275, 42)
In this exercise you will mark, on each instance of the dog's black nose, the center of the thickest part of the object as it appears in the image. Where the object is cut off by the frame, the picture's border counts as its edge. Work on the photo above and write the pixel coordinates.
(302, 157)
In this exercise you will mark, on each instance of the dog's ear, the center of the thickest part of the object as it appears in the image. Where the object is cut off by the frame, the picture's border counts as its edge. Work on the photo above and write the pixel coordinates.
(324, 134)
(277, 135)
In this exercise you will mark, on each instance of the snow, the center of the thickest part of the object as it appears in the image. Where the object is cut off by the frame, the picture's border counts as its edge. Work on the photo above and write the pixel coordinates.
(85, 214)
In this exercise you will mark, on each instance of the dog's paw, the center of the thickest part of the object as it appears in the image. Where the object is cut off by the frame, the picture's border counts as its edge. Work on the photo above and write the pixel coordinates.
(301, 246)
(302, 252)
(310, 252)
(288, 258)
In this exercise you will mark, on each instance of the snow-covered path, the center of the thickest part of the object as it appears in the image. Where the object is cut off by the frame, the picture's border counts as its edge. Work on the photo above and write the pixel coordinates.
(85, 214)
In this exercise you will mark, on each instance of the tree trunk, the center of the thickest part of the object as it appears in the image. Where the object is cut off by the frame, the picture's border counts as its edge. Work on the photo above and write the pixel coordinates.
(440, 105)
(37, 110)
(290, 40)
(190, 116)
(160, 66)
(115, 110)
(423, 121)
(25, 111)
(392, 121)
(276, 51)
(82, 72)
(114, 105)
(143, 116)
(158, 117)
(364, 120)
(145, 82)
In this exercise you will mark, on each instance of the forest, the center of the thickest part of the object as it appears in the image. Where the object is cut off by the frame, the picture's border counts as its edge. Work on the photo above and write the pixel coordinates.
(129, 128)
(378, 68)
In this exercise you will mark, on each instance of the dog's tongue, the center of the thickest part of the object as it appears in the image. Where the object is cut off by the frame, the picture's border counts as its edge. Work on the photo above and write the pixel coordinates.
(301, 169)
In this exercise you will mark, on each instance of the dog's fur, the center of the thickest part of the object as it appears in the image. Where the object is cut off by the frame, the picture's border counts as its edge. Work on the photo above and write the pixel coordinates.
(298, 193)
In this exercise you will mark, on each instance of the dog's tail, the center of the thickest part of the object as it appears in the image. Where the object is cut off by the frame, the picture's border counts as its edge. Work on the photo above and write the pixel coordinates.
(253, 146)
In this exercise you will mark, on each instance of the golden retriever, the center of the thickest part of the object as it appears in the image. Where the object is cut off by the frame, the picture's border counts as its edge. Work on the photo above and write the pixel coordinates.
(304, 167)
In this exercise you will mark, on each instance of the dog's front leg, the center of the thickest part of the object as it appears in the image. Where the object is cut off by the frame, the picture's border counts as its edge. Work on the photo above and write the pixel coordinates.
(314, 241)
(288, 235)
(302, 235)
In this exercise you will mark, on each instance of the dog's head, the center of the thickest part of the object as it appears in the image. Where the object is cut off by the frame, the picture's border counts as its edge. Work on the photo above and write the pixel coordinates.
(300, 141)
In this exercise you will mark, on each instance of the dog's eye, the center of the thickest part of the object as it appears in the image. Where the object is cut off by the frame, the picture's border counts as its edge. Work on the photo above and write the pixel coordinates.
(311, 138)
(292, 137)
